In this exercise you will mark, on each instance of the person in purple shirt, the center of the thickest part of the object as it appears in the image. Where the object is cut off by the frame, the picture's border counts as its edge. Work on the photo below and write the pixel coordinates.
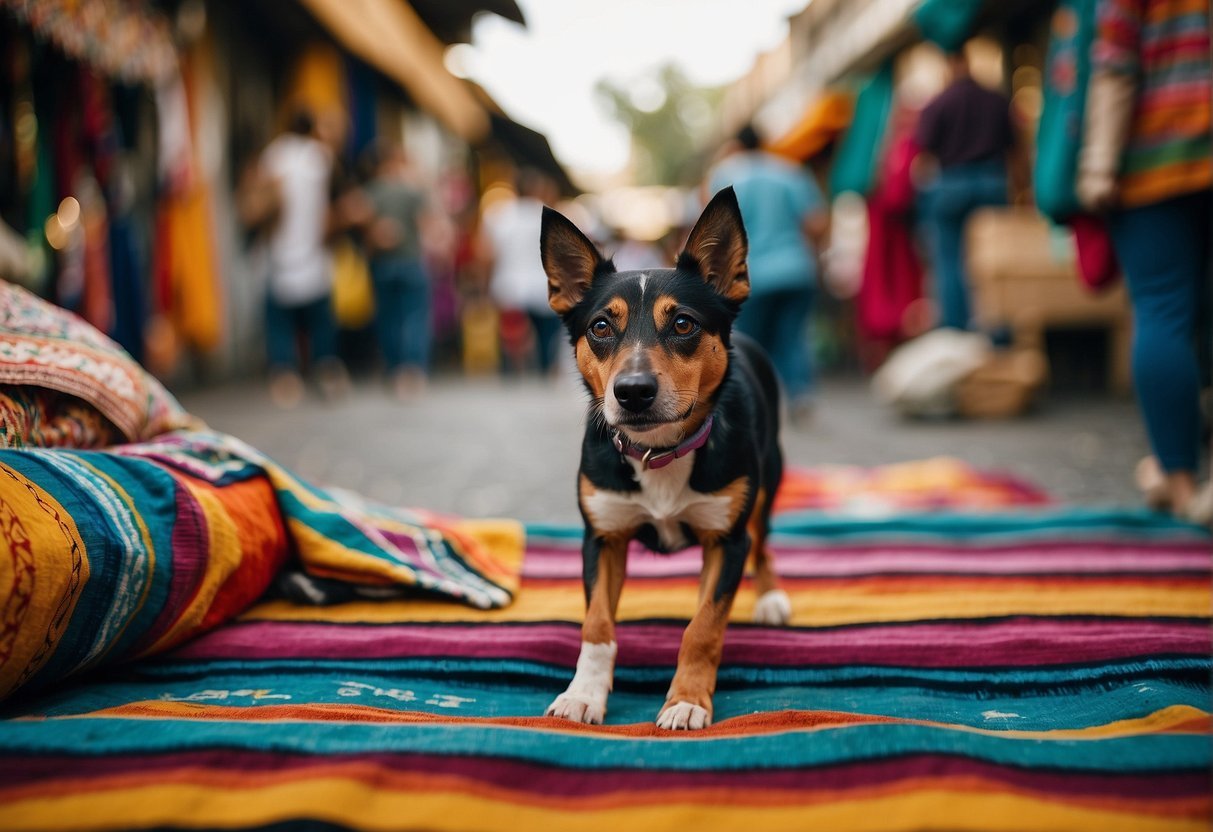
(967, 130)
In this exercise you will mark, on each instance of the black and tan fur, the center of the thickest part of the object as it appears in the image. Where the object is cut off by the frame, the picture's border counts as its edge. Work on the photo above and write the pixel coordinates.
(657, 354)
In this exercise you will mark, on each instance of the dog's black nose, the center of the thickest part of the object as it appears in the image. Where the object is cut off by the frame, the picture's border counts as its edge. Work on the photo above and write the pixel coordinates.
(636, 391)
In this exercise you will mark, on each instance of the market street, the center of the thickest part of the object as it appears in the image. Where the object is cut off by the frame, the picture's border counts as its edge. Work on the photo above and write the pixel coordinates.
(486, 447)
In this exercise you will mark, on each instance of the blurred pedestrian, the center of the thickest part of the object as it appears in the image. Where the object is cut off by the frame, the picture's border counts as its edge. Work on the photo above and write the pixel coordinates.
(968, 132)
(629, 253)
(786, 218)
(510, 244)
(1147, 159)
(393, 237)
(299, 302)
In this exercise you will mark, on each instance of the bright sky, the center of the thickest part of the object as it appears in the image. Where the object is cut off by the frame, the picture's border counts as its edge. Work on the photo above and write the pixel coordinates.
(544, 75)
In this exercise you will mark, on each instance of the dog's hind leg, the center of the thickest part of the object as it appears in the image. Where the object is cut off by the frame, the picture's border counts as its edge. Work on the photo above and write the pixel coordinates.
(605, 566)
(773, 606)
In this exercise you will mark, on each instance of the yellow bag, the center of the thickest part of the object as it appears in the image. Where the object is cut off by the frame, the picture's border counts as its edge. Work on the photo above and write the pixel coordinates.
(353, 294)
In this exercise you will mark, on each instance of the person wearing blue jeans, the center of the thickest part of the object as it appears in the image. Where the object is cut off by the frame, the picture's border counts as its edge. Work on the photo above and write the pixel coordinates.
(967, 130)
(1146, 159)
(778, 321)
(300, 286)
(946, 207)
(283, 327)
(1164, 249)
(547, 328)
(397, 212)
(785, 217)
(402, 313)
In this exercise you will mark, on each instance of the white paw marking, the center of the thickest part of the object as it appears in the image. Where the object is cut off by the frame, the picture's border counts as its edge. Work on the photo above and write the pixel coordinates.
(585, 700)
(773, 609)
(577, 707)
(683, 716)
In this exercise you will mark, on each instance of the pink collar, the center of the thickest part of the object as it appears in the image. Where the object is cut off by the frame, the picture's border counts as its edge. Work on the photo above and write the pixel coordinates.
(653, 460)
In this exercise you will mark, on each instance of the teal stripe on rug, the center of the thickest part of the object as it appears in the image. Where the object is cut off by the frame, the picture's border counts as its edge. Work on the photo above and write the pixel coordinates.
(819, 747)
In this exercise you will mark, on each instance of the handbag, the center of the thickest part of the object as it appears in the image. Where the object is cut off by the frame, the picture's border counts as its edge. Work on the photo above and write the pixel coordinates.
(1059, 141)
(353, 294)
(1059, 134)
(1098, 268)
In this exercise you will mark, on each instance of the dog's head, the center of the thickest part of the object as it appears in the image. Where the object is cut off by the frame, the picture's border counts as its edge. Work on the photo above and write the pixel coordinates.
(652, 346)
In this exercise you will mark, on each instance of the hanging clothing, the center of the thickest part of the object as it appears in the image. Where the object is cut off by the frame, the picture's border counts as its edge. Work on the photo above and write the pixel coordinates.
(892, 272)
(196, 310)
(127, 268)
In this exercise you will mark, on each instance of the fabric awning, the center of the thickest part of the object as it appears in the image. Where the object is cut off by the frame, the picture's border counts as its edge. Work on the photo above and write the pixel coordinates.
(530, 148)
(389, 36)
(451, 20)
(824, 120)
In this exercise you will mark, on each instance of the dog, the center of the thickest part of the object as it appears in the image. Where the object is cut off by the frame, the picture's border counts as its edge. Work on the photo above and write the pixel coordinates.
(681, 443)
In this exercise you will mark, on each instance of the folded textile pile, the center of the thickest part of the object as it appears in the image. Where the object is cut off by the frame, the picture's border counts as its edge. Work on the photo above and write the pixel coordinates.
(115, 554)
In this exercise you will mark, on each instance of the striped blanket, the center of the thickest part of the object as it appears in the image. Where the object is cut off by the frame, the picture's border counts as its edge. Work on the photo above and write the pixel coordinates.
(106, 556)
(127, 527)
(989, 672)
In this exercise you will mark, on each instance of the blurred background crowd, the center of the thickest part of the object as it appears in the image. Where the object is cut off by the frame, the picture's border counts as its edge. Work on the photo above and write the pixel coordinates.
(317, 191)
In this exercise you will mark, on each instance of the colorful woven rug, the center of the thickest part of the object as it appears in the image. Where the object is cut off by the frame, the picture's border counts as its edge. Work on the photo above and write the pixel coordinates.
(1007, 672)
(937, 484)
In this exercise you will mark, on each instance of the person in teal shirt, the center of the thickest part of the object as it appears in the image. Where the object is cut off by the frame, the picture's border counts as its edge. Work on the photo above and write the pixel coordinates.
(785, 216)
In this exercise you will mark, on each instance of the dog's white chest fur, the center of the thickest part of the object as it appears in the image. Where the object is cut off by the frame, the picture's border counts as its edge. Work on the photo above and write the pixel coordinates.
(665, 500)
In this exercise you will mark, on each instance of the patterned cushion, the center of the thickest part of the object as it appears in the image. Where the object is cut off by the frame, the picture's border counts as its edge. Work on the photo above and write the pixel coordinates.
(43, 346)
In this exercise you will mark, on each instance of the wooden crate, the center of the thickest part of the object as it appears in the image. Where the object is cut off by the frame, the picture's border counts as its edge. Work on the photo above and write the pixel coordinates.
(1024, 277)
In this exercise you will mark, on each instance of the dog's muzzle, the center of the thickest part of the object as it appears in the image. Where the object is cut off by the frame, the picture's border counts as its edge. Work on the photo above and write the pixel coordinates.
(636, 392)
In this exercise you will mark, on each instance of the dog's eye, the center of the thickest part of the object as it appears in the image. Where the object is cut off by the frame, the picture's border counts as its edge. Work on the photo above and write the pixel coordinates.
(601, 328)
(685, 325)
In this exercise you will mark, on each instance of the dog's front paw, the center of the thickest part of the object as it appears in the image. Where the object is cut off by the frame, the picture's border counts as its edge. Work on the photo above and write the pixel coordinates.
(683, 716)
(774, 608)
(577, 707)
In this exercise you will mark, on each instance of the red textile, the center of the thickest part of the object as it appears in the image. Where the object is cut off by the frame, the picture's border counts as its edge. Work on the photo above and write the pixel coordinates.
(1098, 267)
(892, 273)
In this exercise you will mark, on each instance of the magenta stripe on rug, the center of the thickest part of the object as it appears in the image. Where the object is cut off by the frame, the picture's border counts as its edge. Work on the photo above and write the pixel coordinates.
(573, 781)
(1021, 642)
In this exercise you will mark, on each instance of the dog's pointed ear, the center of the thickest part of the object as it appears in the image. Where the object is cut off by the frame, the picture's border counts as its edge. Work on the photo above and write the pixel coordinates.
(570, 260)
(717, 247)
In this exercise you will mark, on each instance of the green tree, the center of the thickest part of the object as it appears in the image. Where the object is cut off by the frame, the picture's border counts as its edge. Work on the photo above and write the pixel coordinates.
(670, 120)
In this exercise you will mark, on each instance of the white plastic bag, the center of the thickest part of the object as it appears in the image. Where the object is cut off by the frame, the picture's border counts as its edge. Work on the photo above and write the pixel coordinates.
(919, 378)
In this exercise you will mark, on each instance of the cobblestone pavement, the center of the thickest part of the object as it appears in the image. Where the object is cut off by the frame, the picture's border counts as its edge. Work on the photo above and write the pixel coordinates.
(486, 447)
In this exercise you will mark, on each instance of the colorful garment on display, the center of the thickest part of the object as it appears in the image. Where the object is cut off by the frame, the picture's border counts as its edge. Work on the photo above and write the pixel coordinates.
(129, 40)
(854, 167)
(1031, 671)
(892, 272)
